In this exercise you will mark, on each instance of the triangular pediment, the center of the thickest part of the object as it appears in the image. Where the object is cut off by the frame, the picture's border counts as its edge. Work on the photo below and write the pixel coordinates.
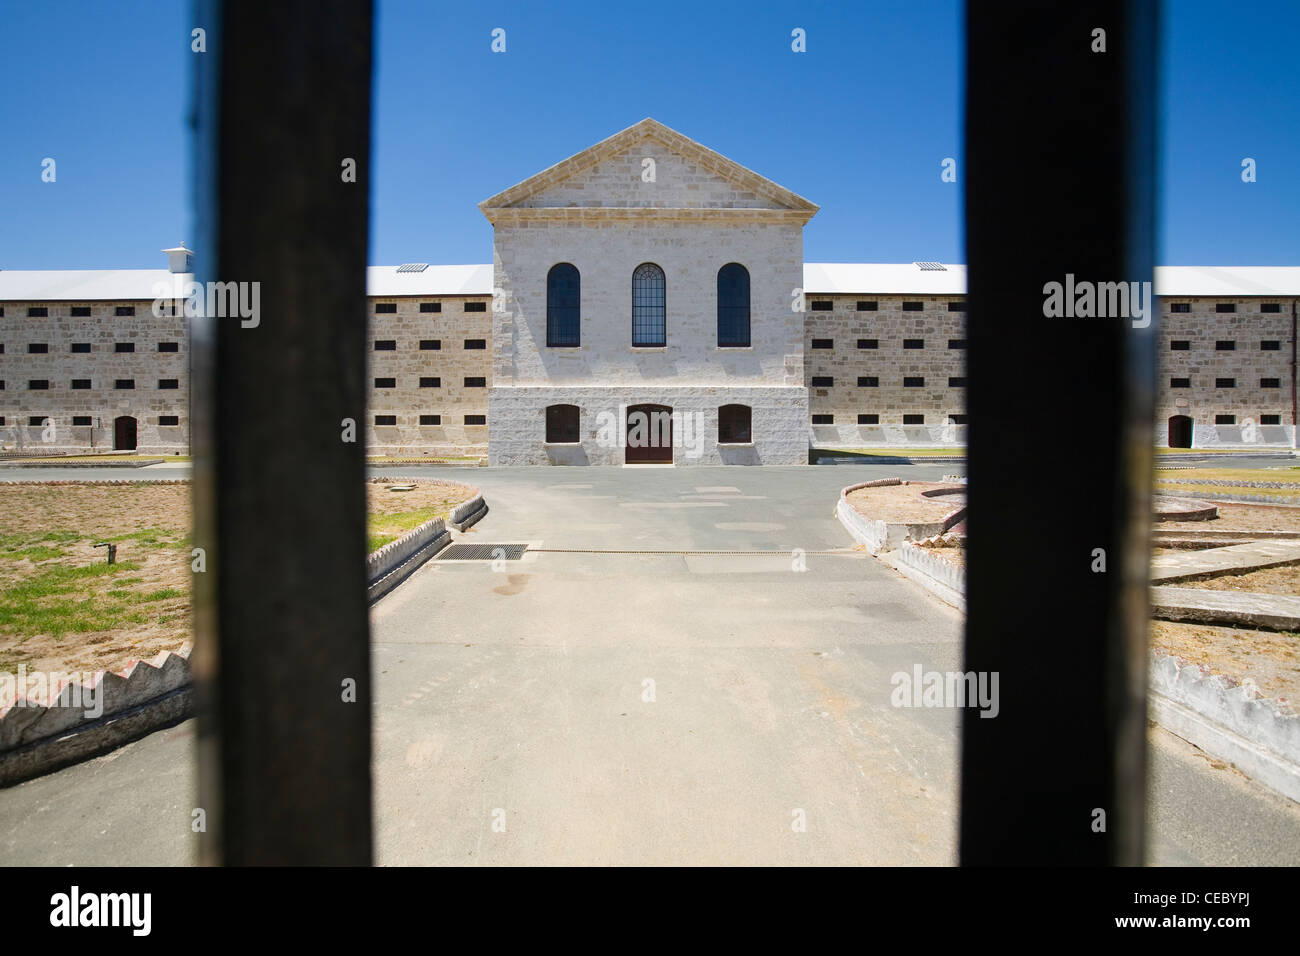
(644, 168)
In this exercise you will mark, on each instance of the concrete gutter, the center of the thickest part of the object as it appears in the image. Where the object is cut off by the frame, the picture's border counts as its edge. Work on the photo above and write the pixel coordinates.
(396, 561)
(1232, 608)
(928, 567)
(468, 513)
(879, 536)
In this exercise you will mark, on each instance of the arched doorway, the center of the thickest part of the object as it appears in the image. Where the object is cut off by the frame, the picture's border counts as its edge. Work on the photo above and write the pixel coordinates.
(124, 433)
(1180, 431)
(649, 435)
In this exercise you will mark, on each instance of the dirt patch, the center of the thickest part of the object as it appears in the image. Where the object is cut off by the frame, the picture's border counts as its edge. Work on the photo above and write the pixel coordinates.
(1281, 580)
(903, 504)
(1270, 658)
(1240, 518)
(63, 608)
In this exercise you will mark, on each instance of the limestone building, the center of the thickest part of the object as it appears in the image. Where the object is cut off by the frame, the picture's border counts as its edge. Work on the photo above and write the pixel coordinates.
(647, 303)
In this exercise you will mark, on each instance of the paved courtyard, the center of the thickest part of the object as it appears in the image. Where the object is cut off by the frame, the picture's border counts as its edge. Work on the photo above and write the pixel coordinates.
(657, 706)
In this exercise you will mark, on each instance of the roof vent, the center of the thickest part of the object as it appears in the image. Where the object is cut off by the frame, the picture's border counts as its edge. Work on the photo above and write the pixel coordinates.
(413, 267)
(931, 266)
(180, 259)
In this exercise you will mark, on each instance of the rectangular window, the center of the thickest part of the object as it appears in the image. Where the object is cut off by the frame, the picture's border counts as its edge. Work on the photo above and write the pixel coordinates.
(913, 343)
(429, 381)
(385, 419)
(168, 421)
(475, 419)
(913, 381)
(1270, 307)
(123, 346)
(1270, 383)
(1180, 383)
(868, 419)
(430, 307)
(385, 345)
(169, 383)
(912, 306)
(36, 421)
(956, 306)
(475, 381)
(1180, 307)
(476, 343)
(868, 305)
(1225, 383)
(124, 383)
(913, 419)
(1225, 419)
(868, 381)
(38, 385)
(80, 347)
(430, 419)
(957, 419)
(1180, 345)
(823, 419)
(37, 312)
(1263, 420)
(475, 307)
(385, 383)
(124, 310)
(1270, 345)
(1225, 307)
(430, 345)
(956, 381)
(80, 383)
(823, 381)
(1225, 345)
(80, 421)
(385, 308)
(868, 343)
(822, 305)
(169, 347)
(81, 311)
(823, 343)
(37, 348)
(956, 343)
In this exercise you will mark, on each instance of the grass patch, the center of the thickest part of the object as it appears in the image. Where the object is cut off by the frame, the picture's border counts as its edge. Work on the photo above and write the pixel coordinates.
(382, 529)
(1280, 495)
(41, 604)
(1232, 474)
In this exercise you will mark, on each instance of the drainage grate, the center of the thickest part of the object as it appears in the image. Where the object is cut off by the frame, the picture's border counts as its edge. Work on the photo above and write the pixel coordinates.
(482, 552)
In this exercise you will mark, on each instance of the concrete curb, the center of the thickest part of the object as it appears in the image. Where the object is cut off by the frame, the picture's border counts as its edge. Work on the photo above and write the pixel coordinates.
(1231, 608)
(97, 481)
(880, 536)
(396, 561)
(20, 463)
(1239, 499)
(928, 568)
(468, 513)
(1227, 720)
(143, 697)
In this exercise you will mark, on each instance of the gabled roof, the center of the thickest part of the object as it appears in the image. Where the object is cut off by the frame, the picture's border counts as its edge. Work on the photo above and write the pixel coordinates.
(650, 129)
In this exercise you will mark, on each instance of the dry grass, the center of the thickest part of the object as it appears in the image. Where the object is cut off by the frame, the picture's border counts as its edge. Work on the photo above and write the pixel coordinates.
(1241, 518)
(1270, 658)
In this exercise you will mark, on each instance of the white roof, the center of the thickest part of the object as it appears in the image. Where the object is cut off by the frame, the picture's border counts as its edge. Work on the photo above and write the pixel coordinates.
(819, 278)
(897, 278)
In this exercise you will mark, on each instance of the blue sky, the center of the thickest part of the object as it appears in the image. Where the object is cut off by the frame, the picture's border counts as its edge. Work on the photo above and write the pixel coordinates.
(859, 124)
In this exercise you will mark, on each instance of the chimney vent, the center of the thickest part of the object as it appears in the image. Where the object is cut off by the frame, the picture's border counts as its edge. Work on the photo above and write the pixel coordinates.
(180, 259)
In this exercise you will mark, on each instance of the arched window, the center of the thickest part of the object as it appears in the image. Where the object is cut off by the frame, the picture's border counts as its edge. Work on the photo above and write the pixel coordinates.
(561, 424)
(733, 306)
(563, 306)
(734, 425)
(648, 311)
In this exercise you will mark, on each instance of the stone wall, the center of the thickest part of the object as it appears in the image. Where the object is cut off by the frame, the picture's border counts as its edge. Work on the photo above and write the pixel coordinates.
(145, 367)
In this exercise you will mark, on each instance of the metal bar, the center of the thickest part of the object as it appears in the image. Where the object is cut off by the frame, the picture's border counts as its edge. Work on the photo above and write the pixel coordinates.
(1060, 165)
(282, 99)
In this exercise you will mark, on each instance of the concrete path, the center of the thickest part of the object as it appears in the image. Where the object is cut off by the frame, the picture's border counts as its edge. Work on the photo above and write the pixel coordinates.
(647, 708)
(1236, 557)
(1233, 608)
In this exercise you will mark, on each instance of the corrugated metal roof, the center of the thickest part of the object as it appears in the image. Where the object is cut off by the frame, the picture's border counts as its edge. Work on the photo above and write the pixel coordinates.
(819, 278)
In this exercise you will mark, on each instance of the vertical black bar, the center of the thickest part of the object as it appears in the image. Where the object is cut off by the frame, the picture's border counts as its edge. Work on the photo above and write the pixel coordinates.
(1060, 165)
(282, 102)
